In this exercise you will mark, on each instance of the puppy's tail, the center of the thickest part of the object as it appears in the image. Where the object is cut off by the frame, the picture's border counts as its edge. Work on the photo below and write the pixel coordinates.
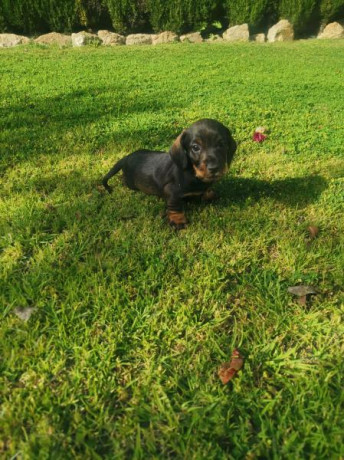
(114, 170)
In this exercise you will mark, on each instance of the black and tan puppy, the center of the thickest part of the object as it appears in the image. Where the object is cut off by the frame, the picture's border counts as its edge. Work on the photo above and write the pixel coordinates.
(198, 157)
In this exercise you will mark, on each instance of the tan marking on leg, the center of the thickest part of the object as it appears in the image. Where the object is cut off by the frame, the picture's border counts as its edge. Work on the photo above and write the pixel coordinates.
(176, 219)
(192, 194)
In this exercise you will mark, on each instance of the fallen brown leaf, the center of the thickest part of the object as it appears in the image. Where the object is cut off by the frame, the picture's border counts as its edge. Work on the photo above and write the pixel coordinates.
(24, 313)
(302, 292)
(228, 370)
(313, 231)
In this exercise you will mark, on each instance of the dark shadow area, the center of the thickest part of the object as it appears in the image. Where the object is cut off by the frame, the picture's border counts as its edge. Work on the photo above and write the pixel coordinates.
(34, 126)
(292, 191)
(90, 216)
(75, 107)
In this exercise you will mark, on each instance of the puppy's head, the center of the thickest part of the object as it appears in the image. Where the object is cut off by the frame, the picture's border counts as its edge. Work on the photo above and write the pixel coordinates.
(207, 146)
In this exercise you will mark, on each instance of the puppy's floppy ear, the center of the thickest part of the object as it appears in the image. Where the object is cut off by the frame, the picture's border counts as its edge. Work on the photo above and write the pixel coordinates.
(232, 146)
(178, 150)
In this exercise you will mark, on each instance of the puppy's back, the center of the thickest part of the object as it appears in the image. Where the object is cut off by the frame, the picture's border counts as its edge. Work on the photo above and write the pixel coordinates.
(143, 170)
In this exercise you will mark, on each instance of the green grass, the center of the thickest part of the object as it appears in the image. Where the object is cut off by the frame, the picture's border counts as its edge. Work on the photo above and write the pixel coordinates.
(132, 319)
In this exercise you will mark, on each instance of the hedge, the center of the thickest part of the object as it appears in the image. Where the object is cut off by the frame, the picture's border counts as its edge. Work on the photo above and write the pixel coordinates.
(303, 14)
(331, 10)
(94, 14)
(258, 14)
(128, 15)
(180, 16)
(30, 16)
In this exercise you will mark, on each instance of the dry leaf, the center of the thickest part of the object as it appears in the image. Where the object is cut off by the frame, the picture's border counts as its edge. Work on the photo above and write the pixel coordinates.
(313, 231)
(24, 313)
(228, 370)
(302, 292)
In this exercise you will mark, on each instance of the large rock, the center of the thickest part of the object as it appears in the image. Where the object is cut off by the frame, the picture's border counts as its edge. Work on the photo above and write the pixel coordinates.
(165, 37)
(139, 39)
(333, 30)
(85, 38)
(8, 40)
(194, 37)
(281, 32)
(110, 38)
(54, 38)
(237, 34)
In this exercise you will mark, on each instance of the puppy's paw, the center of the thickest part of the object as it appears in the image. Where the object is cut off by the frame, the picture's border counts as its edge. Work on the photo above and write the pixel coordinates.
(177, 220)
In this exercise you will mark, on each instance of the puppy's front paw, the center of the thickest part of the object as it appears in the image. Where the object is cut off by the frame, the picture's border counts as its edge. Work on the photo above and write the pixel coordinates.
(177, 220)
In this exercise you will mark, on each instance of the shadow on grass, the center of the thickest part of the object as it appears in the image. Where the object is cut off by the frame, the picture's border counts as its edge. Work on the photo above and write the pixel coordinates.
(89, 216)
(292, 191)
(91, 204)
(34, 126)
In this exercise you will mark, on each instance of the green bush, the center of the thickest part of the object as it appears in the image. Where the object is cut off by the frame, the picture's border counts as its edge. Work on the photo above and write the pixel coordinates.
(128, 15)
(331, 10)
(93, 14)
(61, 14)
(303, 14)
(258, 14)
(183, 16)
(22, 16)
(32, 16)
(3, 27)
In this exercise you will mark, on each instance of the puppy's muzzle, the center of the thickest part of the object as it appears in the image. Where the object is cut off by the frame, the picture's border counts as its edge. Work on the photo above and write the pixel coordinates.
(209, 172)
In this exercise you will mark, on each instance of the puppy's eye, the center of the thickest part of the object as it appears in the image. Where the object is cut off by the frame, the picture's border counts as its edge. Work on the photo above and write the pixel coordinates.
(195, 148)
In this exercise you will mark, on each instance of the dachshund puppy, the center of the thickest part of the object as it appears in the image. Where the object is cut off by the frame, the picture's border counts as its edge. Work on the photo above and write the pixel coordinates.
(198, 157)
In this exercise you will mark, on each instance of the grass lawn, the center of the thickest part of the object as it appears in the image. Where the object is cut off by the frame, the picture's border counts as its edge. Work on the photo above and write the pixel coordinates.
(132, 320)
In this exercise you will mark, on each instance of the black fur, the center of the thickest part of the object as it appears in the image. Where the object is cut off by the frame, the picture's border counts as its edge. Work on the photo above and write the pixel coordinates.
(199, 156)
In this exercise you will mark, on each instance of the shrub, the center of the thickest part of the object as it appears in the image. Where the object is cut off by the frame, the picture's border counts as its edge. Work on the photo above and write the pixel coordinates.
(3, 27)
(258, 14)
(22, 16)
(183, 16)
(93, 14)
(331, 10)
(128, 15)
(303, 14)
(32, 16)
(61, 15)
